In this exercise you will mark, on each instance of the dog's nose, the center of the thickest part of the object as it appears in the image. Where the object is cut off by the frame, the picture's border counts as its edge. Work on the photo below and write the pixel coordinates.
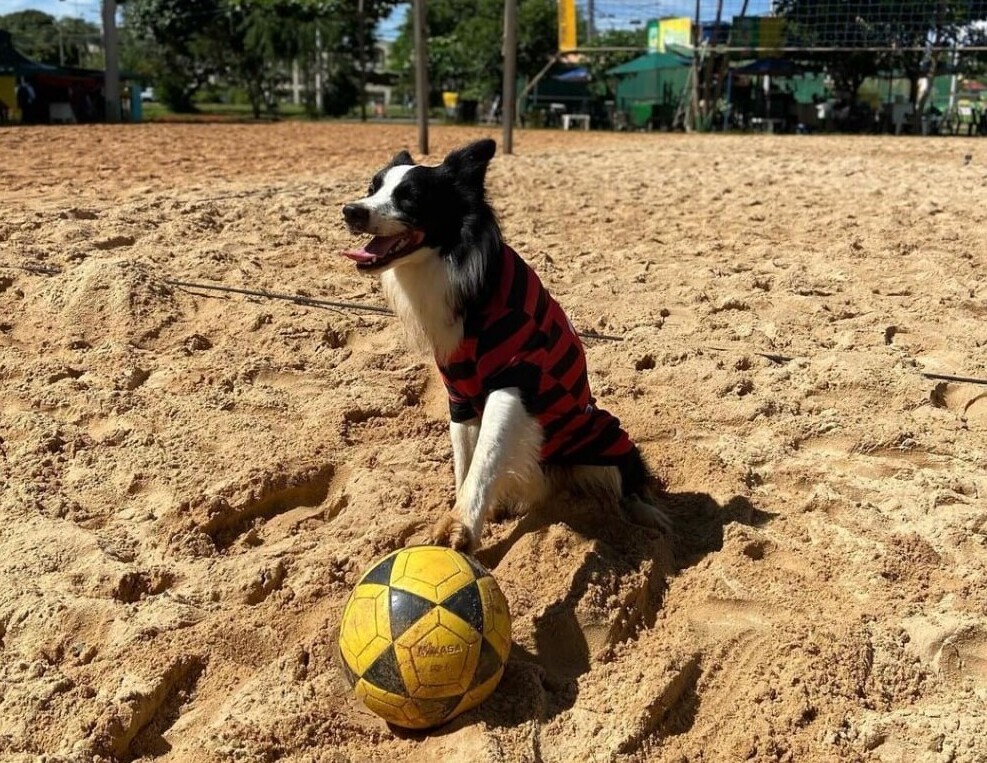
(356, 215)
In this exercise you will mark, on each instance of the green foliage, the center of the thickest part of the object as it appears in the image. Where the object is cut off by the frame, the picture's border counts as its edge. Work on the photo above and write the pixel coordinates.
(905, 36)
(465, 39)
(909, 37)
(249, 44)
(599, 63)
(48, 40)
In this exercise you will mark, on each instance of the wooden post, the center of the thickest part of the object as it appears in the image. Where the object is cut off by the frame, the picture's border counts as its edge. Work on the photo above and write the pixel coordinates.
(691, 122)
(509, 97)
(111, 53)
(421, 75)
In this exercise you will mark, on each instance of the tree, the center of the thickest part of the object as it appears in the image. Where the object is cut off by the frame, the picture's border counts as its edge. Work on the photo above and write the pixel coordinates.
(909, 36)
(252, 43)
(180, 42)
(43, 38)
(599, 64)
(465, 40)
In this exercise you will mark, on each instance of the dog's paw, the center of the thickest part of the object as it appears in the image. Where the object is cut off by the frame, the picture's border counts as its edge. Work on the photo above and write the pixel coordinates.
(640, 512)
(449, 531)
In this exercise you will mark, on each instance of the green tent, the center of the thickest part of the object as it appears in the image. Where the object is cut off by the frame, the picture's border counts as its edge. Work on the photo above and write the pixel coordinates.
(651, 62)
(651, 87)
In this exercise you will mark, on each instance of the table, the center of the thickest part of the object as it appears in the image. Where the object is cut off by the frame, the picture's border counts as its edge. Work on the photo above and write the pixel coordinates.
(568, 119)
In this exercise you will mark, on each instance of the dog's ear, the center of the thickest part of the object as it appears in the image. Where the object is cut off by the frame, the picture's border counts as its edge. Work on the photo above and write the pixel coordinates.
(472, 160)
(400, 158)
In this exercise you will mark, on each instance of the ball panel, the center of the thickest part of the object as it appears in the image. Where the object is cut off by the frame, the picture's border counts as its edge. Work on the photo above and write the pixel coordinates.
(468, 605)
(385, 674)
(380, 573)
(432, 572)
(496, 616)
(391, 707)
(365, 631)
(479, 571)
(406, 609)
(405, 712)
(477, 694)
(437, 656)
(351, 677)
(487, 664)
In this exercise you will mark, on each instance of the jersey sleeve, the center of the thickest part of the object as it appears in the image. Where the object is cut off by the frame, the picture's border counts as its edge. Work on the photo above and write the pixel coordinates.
(460, 409)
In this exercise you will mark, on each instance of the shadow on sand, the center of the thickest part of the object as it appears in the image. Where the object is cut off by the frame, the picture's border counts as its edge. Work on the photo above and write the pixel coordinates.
(627, 564)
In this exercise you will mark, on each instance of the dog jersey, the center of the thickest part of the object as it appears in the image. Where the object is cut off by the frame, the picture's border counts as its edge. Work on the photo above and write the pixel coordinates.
(521, 338)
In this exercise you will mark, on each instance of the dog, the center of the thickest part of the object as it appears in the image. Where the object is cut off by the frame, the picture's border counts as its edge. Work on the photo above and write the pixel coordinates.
(523, 421)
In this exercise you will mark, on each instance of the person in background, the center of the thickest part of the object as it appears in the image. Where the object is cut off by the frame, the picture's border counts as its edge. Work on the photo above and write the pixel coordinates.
(26, 98)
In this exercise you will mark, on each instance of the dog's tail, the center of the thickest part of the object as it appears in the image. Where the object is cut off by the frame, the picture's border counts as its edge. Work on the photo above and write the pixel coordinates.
(641, 490)
(637, 479)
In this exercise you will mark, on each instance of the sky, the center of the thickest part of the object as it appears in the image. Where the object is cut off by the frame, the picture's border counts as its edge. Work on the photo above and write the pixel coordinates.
(620, 14)
(84, 9)
(90, 11)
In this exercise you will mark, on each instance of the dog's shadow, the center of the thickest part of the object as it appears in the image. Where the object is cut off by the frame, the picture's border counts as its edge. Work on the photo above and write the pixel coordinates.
(542, 680)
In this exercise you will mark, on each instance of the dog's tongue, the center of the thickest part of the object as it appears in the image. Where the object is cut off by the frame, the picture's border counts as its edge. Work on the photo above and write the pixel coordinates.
(381, 247)
(378, 246)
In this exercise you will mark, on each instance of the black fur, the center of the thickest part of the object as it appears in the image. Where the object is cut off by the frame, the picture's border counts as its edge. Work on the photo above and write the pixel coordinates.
(449, 204)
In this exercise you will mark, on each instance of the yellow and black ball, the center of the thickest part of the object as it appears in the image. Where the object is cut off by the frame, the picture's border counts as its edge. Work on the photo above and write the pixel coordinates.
(424, 636)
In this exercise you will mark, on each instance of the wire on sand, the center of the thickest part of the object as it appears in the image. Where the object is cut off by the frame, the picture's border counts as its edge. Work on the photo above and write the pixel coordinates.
(301, 299)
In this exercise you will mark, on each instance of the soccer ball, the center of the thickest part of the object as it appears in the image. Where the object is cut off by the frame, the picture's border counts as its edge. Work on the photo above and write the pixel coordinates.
(424, 636)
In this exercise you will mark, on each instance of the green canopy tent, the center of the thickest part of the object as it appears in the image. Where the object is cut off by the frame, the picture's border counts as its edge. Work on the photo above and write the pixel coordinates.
(651, 87)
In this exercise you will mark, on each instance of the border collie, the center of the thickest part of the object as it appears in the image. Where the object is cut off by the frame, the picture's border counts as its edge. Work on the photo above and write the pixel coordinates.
(523, 420)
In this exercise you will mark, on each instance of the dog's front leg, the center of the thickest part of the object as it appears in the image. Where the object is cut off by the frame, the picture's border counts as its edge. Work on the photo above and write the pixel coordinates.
(464, 436)
(507, 448)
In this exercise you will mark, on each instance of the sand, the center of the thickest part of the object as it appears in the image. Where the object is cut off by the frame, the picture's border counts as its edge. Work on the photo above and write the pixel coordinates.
(192, 481)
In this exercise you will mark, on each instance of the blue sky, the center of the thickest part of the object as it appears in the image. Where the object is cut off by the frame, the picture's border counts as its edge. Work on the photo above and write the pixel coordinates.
(90, 10)
(86, 9)
(610, 13)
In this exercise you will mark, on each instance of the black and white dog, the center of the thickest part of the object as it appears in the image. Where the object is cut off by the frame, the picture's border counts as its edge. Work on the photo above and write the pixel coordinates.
(523, 420)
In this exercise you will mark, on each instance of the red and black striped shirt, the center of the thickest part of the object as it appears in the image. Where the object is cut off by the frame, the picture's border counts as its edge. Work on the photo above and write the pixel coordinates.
(522, 338)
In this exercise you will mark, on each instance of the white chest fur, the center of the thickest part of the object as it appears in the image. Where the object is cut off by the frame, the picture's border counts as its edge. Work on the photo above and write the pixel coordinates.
(418, 289)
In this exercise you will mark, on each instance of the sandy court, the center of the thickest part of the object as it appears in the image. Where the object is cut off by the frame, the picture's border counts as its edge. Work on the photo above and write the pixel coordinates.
(193, 481)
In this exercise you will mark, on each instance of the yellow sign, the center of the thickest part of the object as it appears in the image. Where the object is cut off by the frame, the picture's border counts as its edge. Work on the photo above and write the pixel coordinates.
(676, 32)
(567, 25)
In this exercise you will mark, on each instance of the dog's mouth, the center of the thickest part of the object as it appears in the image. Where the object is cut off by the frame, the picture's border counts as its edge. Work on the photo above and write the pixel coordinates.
(381, 250)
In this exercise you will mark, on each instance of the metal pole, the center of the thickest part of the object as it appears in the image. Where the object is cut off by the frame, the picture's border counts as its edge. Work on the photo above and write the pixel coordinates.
(111, 52)
(361, 41)
(509, 98)
(319, 92)
(421, 75)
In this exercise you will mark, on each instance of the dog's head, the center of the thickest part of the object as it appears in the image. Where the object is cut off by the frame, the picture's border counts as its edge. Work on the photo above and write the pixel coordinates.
(410, 208)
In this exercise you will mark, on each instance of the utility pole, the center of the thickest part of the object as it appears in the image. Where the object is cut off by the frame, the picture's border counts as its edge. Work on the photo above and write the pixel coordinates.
(421, 75)
(361, 42)
(509, 97)
(591, 26)
(319, 93)
(111, 54)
